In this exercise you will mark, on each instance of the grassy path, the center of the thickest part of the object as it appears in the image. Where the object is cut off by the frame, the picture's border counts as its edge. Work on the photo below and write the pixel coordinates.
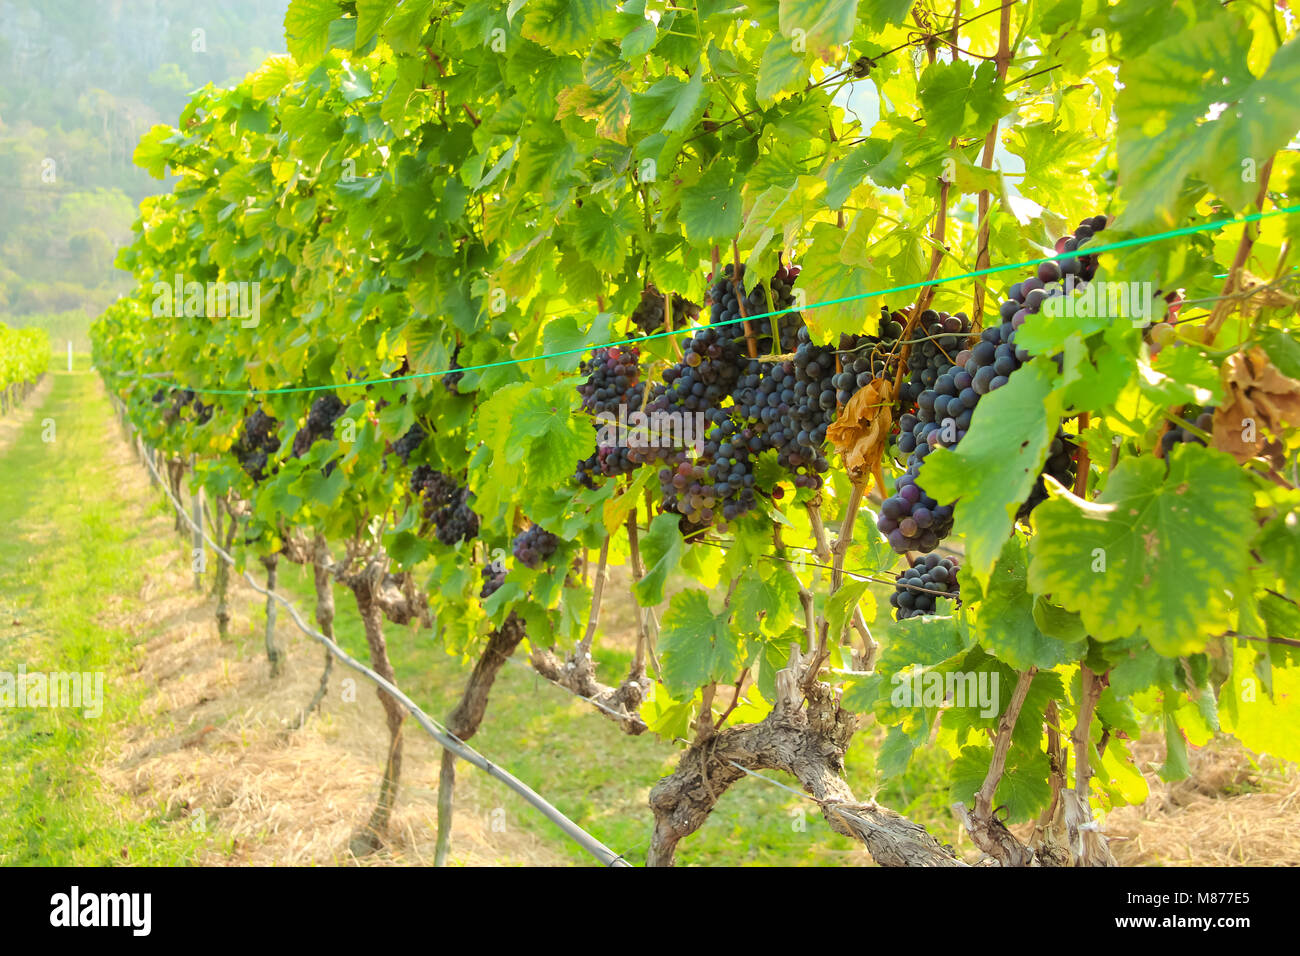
(73, 548)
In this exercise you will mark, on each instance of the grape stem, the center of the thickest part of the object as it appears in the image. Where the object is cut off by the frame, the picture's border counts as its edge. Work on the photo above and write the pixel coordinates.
(442, 72)
(1287, 641)
(647, 620)
(583, 651)
(823, 551)
(988, 833)
(668, 327)
(638, 571)
(740, 300)
(1056, 761)
(775, 320)
(1092, 685)
(842, 542)
(740, 683)
(1081, 462)
(982, 259)
(805, 596)
(704, 728)
(941, 220)
(1248, 235)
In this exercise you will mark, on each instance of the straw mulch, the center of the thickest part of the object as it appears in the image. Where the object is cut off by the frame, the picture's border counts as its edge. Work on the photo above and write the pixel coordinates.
(1236, 809)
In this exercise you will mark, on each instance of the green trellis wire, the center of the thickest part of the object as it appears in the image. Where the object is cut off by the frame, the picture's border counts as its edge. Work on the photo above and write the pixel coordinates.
(1090, 251)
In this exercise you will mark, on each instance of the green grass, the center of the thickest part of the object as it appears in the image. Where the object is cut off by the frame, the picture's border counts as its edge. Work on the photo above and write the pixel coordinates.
(77, 545)
(73, 552)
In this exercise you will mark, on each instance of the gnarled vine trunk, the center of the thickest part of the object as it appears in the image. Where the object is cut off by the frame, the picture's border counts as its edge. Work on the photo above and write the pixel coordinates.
(379, 595)
(372, 619)
(221, 587)
(464, 721)
(175, 471)
(808, 743)
(274, 653)
(323, 578)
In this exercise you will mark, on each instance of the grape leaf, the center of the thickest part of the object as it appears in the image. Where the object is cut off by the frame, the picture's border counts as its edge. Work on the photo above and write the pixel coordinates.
(1267, 725)
(1284, 351)
(1023, 790)
(1092, 381)
(882, 13)
(766, 598)
(696, 645)
(545, 432)
(711, 209)
(307, 28)
(895, 753)
(1168, 95)
(957, 96)
(667, 717)
(781, 70)
(826, 277)
(822, 24)
(839, 609)
(564, 26)
(1175, 766)
(371, 15)
(919, 640)
(1003, 621)
(1154, 552)
(661, 549)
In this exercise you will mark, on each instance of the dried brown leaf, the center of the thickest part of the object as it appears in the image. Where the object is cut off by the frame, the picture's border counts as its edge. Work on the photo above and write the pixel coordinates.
(861, 432)
(1257, 399)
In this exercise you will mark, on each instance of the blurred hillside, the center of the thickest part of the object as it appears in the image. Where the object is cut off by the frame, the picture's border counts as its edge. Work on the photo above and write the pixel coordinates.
(80, 81)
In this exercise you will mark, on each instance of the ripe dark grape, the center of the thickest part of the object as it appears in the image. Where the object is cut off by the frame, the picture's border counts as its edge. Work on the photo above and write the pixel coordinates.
(613, 381)
(257, 442)
(946, 381)
(324, 411)
(534, 545)
(649, 313)
(715, 367)
(1202, 418)
(408, 443)
(445, 505)
(918, 590)
(451, 381)
(494, 575)
(937, 339)
(1060, 464)
(456, 521)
